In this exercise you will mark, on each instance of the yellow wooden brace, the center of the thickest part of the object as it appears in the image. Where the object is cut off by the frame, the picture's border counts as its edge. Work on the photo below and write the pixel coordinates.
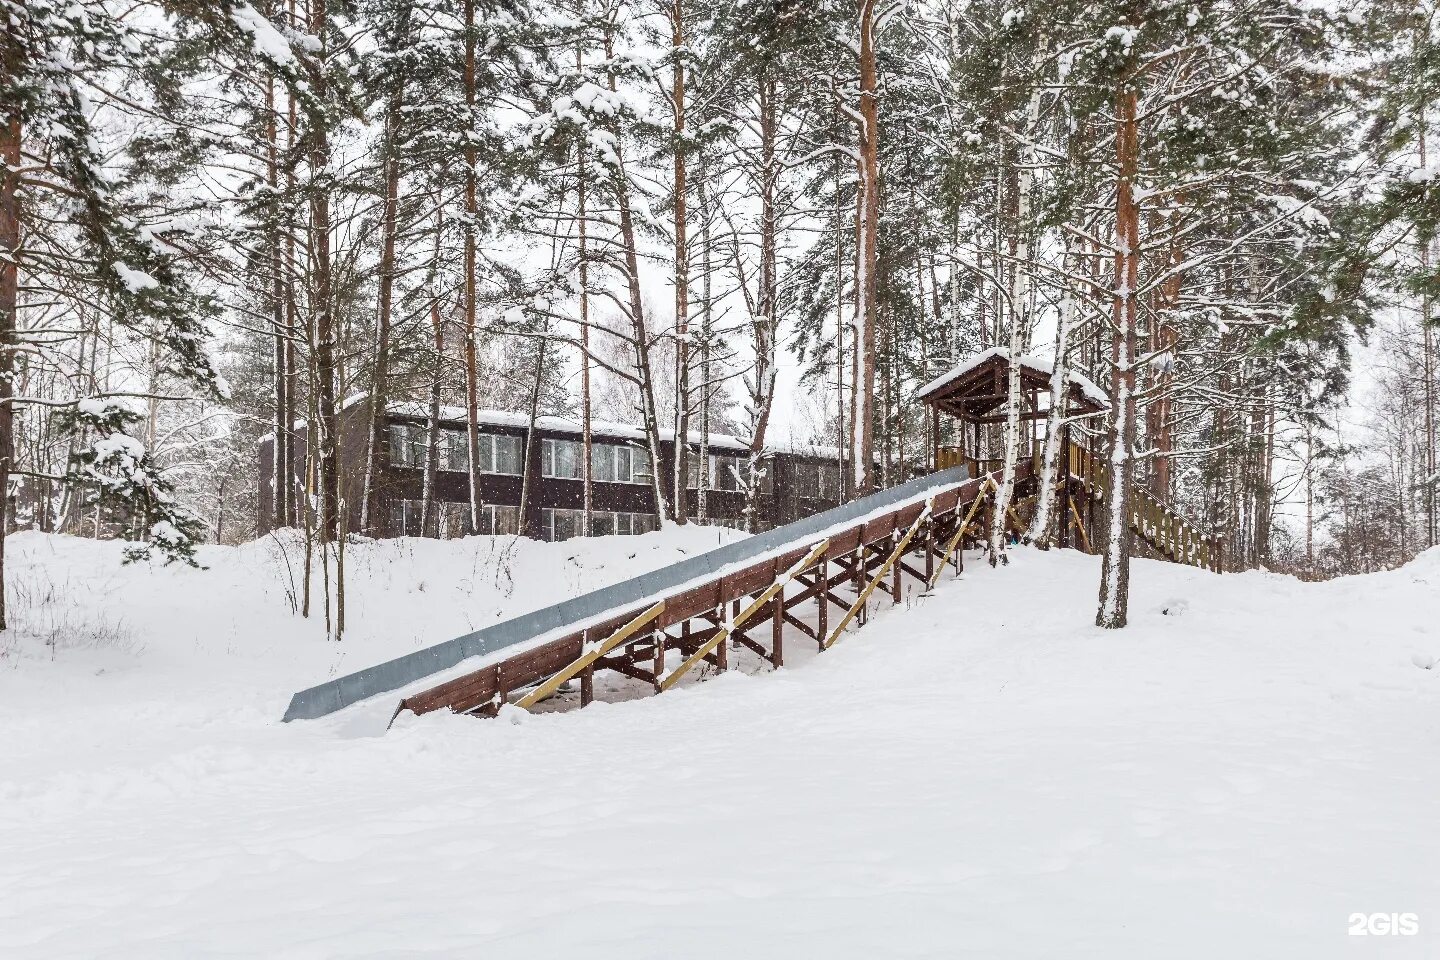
(1080, 527)
(950, 547)
(610, 643)
(765, 597)
(879, 575)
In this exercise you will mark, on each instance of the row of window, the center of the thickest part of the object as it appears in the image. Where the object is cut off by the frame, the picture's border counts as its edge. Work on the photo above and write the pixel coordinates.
(450, 520)
(560, 524)
(730, 473)
(609, 462)
(817, 481)
(498, 453)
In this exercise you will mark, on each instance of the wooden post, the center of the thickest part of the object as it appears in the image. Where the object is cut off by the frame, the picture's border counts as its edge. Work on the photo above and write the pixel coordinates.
(659, 636)
(777, 630)
(930, 544)
(1065, 490)
(722, 651)
(895, 582)
(935, 438)
(587, 676)
(822, 595)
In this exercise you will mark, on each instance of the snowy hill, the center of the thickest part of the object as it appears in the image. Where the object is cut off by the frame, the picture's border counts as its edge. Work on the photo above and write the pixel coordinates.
(979, 774)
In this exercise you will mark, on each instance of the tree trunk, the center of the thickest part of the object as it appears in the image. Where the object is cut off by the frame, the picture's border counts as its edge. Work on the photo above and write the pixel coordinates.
(586, 437)
(280, 450)
(323, 306)
(1054, 426)
(639, 329)
(1164, 338)
(429, 518)
(472, 210)
(1019, 321)
(295, 500)
(702, 471)
(863, 449)
(762, 401)
(682, 274)
(10, 136)
(1115, 568)
(527, 477)
(842, 441)
(389, 226)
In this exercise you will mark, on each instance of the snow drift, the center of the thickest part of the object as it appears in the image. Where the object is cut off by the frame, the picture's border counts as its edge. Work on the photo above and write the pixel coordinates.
(978, 773)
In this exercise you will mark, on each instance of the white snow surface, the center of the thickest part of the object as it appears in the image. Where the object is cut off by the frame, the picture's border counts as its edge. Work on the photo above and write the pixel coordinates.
(978, 773)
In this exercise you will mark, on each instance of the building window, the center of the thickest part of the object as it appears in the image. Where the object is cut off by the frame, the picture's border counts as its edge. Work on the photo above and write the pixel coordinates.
(451, 519)
(617, 463)
(453, 453)
(609, 462)
(560, 459)
(817, 481)
(501, 453)
(830, 481)
(404, 514)
(498, 453)
(498, 520)
(729, 472)
(407, 444)
(563, 524)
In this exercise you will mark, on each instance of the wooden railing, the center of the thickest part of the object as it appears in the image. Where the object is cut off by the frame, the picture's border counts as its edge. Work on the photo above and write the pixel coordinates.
(1170, 534)
(948, 457)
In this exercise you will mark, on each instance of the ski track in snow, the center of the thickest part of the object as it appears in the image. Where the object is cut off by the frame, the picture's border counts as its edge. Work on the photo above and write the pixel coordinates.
(981, 773)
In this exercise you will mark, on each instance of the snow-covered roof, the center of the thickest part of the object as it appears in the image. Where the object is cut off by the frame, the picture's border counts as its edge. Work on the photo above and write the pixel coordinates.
(600, 428)
(611, 429)
(608, 429)
(1041, 365)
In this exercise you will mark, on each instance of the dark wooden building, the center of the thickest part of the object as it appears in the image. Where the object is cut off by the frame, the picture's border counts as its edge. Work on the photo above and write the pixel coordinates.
(798, 481)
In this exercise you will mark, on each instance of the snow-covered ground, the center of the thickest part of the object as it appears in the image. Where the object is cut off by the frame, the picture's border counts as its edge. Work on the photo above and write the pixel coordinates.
(979, 773)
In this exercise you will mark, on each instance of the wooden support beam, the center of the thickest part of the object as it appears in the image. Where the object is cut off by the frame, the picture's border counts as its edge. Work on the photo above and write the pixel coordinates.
(859, 603)
(599, 650)
(823, 596)
(800, 625)
(895, 591)
(742, 639)
(954, 543)
(902, 566)
(627, 668)
(764, 598)
(814, 588)
(777, 630)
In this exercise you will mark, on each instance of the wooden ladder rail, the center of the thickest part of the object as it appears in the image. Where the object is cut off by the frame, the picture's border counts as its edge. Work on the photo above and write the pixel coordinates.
(1164, 529)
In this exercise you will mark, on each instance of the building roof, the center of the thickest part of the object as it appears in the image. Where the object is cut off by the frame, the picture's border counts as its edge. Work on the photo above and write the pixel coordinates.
(970, 376)
(606, 429)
